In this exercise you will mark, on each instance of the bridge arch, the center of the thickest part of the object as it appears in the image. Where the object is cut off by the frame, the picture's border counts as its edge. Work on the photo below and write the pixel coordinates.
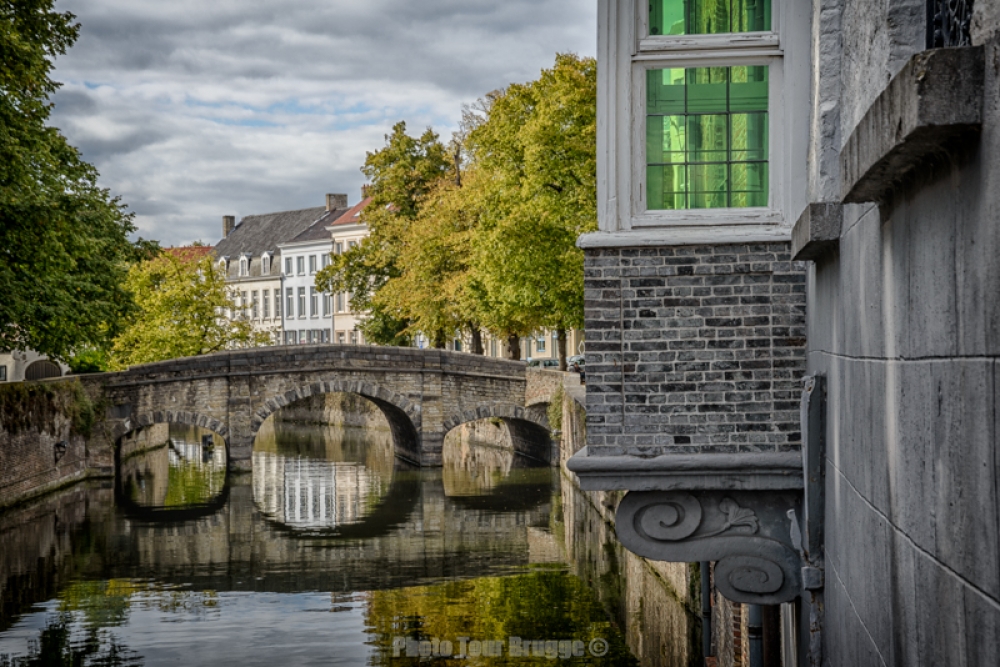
(402, 415)
(147, 419)
(529, 432)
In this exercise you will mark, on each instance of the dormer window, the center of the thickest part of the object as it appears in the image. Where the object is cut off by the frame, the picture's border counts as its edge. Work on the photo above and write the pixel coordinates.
(224, 265)
(244, 266)
(265, 264)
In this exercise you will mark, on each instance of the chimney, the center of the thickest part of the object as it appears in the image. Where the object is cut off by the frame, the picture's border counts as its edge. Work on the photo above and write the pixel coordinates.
(228, 223)
(335, 202)
(366, 191)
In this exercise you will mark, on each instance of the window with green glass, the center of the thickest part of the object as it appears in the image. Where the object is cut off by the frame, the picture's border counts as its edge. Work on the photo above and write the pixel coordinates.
(706, 137)
(708, 17)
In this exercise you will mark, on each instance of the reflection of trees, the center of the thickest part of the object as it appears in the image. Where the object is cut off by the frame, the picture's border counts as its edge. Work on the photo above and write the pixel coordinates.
(542, 605)
(472, 468)
(60, 644)
(183, 474)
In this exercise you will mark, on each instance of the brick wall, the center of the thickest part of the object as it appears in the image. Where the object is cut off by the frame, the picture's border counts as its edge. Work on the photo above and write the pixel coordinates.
(694, 348)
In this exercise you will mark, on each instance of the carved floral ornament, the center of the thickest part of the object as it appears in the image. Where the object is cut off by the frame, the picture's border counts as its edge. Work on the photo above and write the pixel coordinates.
(748, 535)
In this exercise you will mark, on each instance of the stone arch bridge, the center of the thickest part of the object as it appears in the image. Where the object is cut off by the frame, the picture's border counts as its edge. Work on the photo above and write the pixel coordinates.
(423, 393)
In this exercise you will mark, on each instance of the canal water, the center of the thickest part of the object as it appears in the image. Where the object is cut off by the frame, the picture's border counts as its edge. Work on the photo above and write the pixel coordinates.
(332, 552)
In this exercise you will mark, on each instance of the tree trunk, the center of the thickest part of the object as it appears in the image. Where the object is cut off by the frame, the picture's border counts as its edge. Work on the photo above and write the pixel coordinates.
(514, 347)
(477, 340)
(561, 344)
(440, 340)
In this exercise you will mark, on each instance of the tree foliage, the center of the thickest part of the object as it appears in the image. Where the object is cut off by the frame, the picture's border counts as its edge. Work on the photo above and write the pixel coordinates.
(536, 151)
(481, 234)
(64, 248)
(180, 302)
(402, 173)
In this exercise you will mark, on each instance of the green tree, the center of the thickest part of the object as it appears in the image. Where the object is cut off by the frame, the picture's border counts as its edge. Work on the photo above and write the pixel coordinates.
(64, 247)
(536, 151)
(401, 174)
(181, 304)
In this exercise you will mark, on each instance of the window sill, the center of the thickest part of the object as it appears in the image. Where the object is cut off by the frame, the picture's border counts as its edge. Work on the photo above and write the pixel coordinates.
(690, 235)
(707, 217)
(728, 41)
(932, 107)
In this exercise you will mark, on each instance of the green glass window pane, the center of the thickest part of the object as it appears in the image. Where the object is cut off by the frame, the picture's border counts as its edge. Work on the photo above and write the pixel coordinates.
(748, 88)
(748, 136)
(708, 17)
(751, 15)
(665, 91)
(666, 139)
(708, 138)
(666, 17)
(707, 89)
(749, 184)
(708, 186)
(666, 188)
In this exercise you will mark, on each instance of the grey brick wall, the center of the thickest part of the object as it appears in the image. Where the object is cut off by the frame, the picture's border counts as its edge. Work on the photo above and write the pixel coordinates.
(694, 348)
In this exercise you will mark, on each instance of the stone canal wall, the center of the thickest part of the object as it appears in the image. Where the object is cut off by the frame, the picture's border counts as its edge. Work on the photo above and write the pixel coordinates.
(659, 601)
(50, 437)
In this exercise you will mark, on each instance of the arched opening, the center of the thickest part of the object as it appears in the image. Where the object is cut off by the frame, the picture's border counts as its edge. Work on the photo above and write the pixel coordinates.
(399, 413)
(42, 370)
(327, 463)
(171, 471)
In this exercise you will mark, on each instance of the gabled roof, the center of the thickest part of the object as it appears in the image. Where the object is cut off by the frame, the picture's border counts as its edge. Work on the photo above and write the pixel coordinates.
(353, 215)
(257, 234)
(189, 252)
(318, 230)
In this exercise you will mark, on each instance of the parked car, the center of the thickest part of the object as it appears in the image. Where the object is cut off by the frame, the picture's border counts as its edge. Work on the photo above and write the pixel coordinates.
(543, 363)
(576, 359)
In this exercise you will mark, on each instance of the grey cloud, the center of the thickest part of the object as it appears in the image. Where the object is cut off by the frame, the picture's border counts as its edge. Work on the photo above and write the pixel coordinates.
(188, 108)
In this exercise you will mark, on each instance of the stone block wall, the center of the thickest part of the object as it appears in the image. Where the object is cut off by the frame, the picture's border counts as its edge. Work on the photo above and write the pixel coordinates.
(694, 348)
(43, 444)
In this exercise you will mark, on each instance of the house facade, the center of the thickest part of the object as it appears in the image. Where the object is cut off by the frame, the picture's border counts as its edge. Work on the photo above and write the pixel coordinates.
(20, 365)
(791, 319)
(346, 232)
(249, 254)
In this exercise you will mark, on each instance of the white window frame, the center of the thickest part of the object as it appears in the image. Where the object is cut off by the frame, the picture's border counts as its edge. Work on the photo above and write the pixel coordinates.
(244, 266)
(265, 264)
(625, 52)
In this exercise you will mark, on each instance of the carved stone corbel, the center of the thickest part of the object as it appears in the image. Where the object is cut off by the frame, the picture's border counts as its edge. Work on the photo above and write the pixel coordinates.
(748, 533)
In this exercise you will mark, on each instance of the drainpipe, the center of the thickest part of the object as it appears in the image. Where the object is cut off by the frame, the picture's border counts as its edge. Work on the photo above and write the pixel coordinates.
(706, 610)
(756, 633)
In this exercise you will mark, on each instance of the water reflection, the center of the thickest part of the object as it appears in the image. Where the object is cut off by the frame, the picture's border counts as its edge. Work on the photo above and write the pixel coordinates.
(331, 553)
(320, 478)
(188, 470)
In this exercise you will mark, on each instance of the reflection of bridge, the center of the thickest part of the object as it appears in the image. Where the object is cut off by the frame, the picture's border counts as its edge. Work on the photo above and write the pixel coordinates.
(423, 393)
(425, 537)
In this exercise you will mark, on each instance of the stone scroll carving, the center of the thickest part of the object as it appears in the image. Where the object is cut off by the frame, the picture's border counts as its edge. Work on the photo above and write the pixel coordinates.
(748, 534)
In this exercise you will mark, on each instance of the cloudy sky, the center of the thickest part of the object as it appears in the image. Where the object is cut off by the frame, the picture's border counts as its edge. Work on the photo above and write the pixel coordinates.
(195, 109)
